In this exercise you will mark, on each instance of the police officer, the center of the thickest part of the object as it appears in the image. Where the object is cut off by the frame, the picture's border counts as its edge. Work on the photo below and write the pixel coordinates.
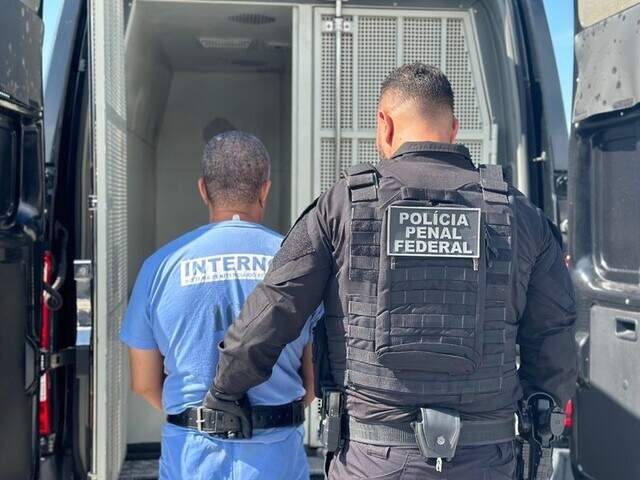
(186, 296)
(431, 271)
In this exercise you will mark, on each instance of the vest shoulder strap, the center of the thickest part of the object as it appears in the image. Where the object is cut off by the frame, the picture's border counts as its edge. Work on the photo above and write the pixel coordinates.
(494, 188)
(362, 182)
(310, 207)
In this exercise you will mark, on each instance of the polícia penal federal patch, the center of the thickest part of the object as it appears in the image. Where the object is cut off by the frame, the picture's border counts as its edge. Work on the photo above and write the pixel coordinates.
(433, 231)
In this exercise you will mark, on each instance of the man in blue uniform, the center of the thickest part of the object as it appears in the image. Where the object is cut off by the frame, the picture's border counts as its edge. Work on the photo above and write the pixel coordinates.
(186, 296)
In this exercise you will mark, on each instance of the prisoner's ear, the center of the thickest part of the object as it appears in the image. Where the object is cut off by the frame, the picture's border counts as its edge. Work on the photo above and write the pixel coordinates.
(264, 193)
(202, 189)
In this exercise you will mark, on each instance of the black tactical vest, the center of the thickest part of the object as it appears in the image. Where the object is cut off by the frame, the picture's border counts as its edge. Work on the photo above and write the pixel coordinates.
(430, 314)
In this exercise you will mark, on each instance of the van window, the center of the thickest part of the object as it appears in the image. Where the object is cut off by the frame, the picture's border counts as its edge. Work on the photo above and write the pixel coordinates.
(593, 11)
(617, 207)
(8, 165)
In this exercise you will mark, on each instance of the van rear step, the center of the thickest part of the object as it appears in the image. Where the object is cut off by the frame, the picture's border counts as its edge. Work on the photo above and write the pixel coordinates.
(148, 469)
(139, 470)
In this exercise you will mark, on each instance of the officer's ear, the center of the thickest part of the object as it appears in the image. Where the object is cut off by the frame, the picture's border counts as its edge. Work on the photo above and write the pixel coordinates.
(202, 189)
(387, 128)
(455, 127)
(264, 193)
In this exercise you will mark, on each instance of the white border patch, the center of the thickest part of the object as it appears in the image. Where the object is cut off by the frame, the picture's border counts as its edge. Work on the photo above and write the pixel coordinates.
(476, 211)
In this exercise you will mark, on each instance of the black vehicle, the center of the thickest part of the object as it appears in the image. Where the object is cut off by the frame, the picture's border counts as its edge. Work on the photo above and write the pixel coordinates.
(604, 195)
(132, 90)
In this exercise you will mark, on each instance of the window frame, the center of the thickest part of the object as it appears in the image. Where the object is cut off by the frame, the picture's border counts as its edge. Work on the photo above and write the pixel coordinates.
(604, 269)
(10, 200)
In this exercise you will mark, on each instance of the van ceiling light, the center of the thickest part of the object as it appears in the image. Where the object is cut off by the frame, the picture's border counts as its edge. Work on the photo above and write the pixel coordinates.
(222, 43)
(252, 18)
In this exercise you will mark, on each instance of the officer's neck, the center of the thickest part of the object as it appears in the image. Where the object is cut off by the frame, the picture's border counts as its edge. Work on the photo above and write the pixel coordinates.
(248, 213)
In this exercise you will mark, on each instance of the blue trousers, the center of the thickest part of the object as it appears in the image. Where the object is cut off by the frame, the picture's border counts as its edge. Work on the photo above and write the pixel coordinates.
(190, 455)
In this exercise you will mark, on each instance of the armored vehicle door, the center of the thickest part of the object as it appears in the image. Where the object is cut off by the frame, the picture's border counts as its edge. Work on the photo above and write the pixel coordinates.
(604, 194)
(21, 234)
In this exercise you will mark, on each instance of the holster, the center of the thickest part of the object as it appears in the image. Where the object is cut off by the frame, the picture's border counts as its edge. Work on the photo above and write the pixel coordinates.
(437, 433)
(331, 419)
(541, 419)
(541, 423)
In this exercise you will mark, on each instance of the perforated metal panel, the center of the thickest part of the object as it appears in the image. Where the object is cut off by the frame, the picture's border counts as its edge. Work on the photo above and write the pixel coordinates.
(327, 67)
(377, 56)
(367, 151)
(378, 42)
(422, 38)
(327, 154)
(459, 70)
(110, 153)
(475, 149)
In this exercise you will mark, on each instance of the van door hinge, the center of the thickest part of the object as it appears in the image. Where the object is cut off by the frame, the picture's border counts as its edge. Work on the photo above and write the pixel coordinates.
(83, 275)
(51, 360)
(541, 158)
(337, 24)
(47, 444)
(93, 202)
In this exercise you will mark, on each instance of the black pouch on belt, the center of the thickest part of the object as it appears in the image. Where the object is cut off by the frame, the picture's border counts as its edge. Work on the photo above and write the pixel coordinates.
(437, 434)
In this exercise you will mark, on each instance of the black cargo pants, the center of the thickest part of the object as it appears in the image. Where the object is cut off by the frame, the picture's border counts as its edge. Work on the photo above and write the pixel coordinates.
(359, 461)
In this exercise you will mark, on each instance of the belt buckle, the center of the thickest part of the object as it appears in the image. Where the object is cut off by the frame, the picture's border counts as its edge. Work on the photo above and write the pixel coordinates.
(200, 419)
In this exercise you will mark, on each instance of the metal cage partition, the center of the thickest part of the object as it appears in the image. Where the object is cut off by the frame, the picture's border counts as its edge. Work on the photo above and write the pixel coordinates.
(110, 156)
(376, 42)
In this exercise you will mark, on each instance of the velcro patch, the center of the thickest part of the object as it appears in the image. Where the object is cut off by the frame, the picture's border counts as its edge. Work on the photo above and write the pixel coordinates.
(433, 231)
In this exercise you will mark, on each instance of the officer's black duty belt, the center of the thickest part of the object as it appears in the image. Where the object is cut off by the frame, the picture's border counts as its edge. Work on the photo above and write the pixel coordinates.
(216, 422)
(472, 433)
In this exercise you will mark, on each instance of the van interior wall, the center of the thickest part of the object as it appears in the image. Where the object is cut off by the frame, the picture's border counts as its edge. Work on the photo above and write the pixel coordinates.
(163, 199)
(197, 106)
(148, 79)
(180, 94)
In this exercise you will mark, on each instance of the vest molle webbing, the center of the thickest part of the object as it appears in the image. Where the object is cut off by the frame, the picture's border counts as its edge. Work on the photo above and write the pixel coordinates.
(427, 327)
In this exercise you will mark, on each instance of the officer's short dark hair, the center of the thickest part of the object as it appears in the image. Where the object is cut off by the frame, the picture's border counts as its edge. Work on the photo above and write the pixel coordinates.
(235, 165)
(424, 84)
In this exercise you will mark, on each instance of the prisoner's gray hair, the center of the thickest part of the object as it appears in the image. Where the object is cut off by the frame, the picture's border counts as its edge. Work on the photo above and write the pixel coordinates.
(423, 84)
(234, 166)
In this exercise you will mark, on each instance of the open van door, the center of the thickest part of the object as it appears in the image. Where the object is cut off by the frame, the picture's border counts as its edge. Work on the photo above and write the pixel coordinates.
(109, 151)
(604, 193)
(547, 128)
(21, 234)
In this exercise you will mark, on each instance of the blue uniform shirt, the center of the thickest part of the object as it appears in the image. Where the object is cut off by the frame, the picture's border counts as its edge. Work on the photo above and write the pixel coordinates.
(186, 296)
